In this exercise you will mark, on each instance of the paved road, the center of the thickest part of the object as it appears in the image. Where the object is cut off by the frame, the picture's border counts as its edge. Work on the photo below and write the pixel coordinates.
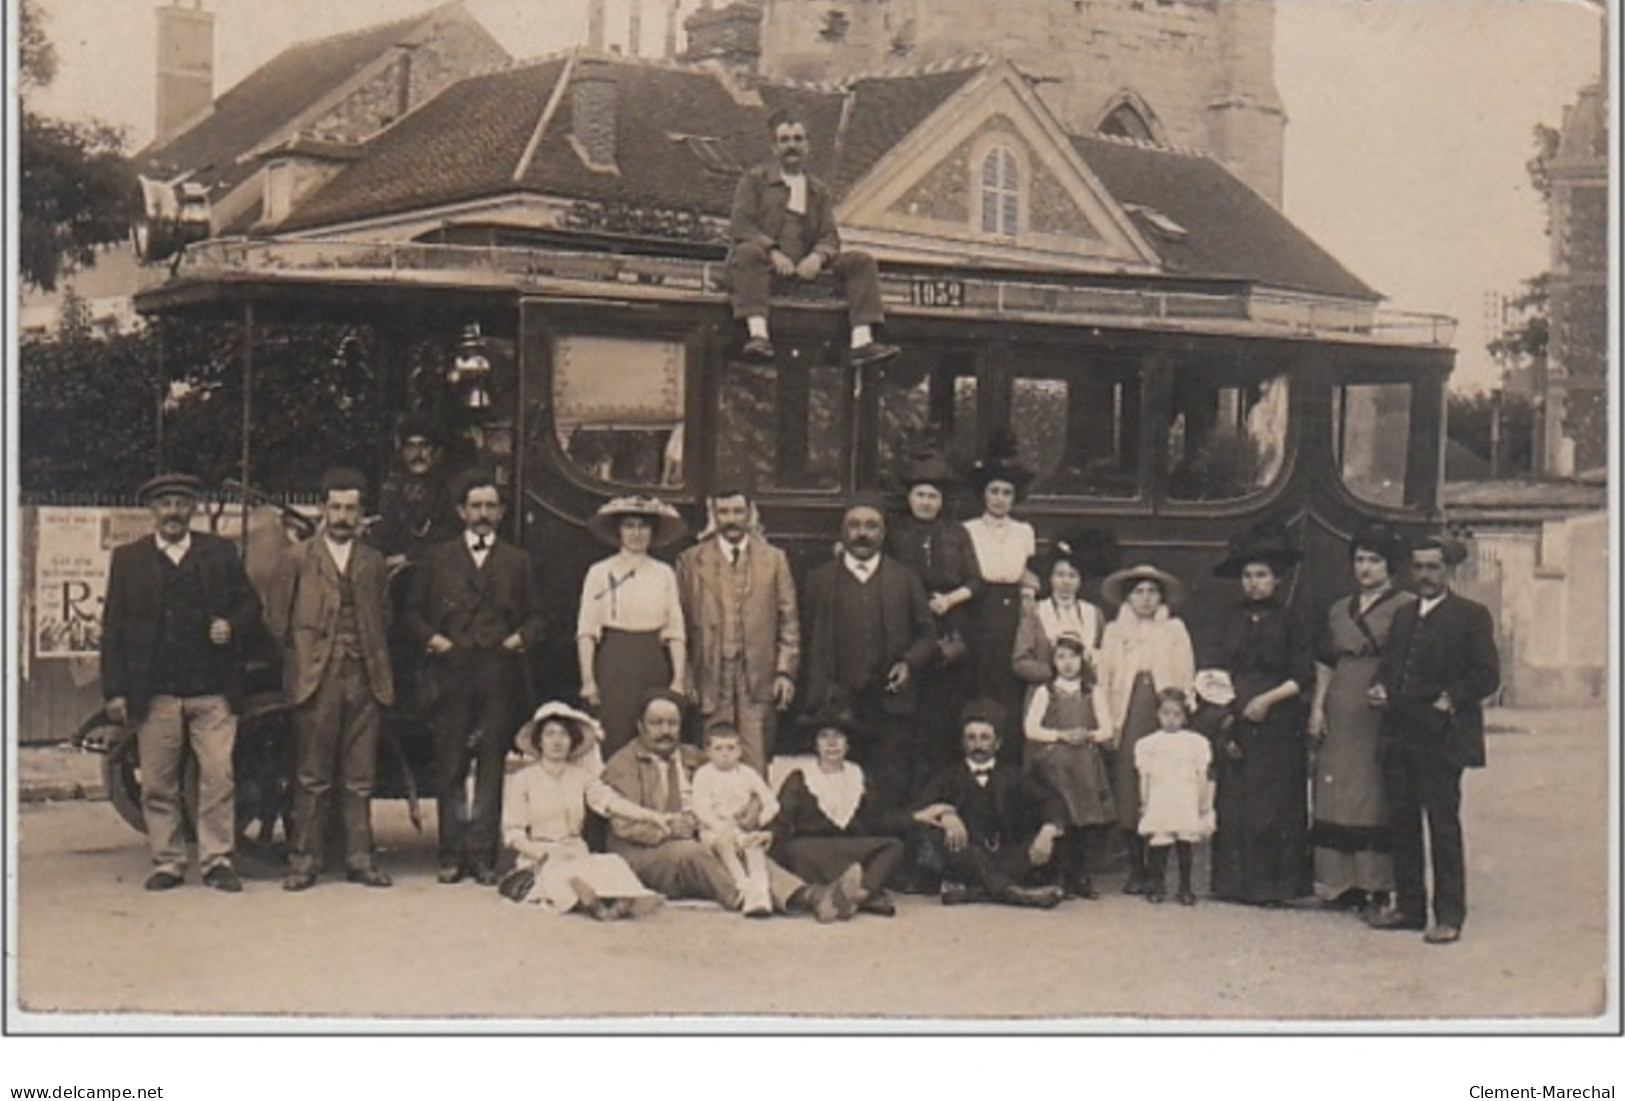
(91, 940)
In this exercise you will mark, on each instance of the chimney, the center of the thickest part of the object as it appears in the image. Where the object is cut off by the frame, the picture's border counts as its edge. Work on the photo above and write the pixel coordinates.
(731, 35)
(594, 96)
(595, 26)
(185, 66)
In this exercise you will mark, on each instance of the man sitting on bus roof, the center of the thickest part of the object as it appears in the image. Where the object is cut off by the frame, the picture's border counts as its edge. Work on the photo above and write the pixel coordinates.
(783, 227)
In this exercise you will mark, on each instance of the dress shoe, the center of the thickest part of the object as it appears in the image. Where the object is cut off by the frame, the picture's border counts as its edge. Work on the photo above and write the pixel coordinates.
(450, 873)
(299, 881)
(878, 903)
(1082, 887)
(223, 877)
(1186, 897)
(871, 353)
(1135, 884)
(1442, 934)
(485, 875)
(164, 881)
(959, 894)
(1154, 895)
(1396, 920)
(757, 349)
(369, 877)
(1042, 898)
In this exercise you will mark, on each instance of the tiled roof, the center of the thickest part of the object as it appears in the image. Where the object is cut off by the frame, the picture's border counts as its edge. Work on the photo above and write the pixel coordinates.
(1230, 230)
(468, 142)
(465, 143)
(268, 98)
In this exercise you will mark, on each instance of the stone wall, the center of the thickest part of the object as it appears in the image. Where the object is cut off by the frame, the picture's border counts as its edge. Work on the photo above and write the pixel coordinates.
(1205, 67)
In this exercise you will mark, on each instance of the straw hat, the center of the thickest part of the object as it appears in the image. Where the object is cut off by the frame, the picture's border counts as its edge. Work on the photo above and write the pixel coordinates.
(1117, 585)
(606, 522)
(586, 736)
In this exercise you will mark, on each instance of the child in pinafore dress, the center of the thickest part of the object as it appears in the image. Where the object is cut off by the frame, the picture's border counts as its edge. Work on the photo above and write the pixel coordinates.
(1176, 793)
(1065, 732)
(734, 805)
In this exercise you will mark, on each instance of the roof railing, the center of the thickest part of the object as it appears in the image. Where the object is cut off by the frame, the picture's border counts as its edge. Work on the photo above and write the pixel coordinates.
(948, 293)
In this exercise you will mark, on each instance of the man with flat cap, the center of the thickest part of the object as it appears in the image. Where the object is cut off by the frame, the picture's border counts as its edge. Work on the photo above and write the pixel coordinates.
(1436, 670)
(179, 609)
(870, 633)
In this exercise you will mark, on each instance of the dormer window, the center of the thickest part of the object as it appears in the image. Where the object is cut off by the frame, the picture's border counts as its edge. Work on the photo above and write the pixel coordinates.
(1002, 176)
(713, 153)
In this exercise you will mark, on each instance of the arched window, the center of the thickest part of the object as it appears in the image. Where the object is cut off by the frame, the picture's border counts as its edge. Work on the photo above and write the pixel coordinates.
(1127, 115)
(1001, 191)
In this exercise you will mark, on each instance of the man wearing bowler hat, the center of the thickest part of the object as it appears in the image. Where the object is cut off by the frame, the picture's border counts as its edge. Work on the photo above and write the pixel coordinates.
(178, 610)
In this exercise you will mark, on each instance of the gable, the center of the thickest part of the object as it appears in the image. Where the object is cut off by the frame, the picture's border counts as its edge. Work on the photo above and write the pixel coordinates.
(1010, 191)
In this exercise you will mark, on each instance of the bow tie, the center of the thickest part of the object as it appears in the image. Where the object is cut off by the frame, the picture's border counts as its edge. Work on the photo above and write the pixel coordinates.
(982, 770)
(482, 543)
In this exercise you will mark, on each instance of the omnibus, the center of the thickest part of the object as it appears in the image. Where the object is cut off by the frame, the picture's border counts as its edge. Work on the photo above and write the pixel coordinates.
(1172, 414)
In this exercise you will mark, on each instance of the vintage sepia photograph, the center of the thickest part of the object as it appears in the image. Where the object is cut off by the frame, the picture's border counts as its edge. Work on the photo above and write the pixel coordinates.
(862, 516)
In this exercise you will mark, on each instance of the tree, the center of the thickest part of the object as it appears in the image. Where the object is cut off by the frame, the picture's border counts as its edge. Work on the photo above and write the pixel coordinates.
(76, 189)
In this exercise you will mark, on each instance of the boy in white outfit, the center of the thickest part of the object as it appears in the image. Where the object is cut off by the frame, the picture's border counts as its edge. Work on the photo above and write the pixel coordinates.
(734, 804)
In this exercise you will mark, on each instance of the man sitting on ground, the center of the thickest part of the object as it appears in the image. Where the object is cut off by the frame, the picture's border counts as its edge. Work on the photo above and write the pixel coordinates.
(995, 825)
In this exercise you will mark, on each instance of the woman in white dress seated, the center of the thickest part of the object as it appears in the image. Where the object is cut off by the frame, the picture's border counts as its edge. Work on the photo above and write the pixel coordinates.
(544, 806)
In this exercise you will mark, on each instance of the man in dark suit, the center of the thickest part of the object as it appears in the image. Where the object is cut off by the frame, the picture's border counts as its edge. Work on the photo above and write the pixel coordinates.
(783, 227)
(1439, 665)
(475, 608)
(994, 825)
(869, 633)
(328, 611)
(179, 609)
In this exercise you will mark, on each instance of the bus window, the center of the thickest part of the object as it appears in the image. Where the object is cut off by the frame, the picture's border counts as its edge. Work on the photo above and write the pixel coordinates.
(926, 405)
(1226, 434)
(618, 408)
(1371, 432)
(782, 429)
(1080, 434)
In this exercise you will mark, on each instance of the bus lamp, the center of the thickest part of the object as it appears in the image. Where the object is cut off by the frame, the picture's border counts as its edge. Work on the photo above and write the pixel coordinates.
(470, 373)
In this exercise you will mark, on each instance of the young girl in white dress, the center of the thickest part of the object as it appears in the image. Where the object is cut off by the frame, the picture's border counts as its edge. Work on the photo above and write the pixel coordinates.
(1176, 794)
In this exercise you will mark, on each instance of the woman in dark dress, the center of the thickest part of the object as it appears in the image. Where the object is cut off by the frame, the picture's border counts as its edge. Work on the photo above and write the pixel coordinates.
(827, 821)
(1261, 849)
(930, 543)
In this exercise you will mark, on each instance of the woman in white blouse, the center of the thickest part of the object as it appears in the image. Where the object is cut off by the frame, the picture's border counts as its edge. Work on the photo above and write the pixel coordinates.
(1003, 545)
(544, 804)
(1143, 651)
(630, 635)
(1064, 610)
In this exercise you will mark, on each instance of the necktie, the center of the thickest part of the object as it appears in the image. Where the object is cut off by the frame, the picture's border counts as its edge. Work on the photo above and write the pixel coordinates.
(733, 556)
(674, 786)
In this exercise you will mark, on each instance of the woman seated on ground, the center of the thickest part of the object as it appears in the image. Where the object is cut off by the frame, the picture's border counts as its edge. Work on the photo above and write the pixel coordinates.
(544, 805)
(827, 823)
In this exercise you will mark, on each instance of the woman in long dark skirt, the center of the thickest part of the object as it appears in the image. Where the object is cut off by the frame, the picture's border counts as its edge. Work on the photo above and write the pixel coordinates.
(1003, 547)
(630, 635)
(828, 822)
(1261, 849)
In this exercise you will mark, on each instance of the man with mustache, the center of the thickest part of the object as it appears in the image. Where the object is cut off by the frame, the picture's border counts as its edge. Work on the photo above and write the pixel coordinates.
(783, 229)
(328, 611)
(743, 629)
(179, 610)
(475, 608)
(1439, 664)
(414, 506)
(869, 633)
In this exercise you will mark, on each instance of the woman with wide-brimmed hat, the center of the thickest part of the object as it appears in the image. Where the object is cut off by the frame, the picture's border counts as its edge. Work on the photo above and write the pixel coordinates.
(544, 805)
(630, 634)
(1003, 547)
(828, 818)
(1261, 849)
(936, 547)
(1144, 650)
(1352, 865)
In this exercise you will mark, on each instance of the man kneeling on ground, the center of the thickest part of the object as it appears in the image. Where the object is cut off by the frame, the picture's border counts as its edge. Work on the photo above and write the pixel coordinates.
(995, 824)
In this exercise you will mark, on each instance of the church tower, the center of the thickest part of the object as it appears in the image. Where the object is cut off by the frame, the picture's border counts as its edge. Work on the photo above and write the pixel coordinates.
(1193, 73)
